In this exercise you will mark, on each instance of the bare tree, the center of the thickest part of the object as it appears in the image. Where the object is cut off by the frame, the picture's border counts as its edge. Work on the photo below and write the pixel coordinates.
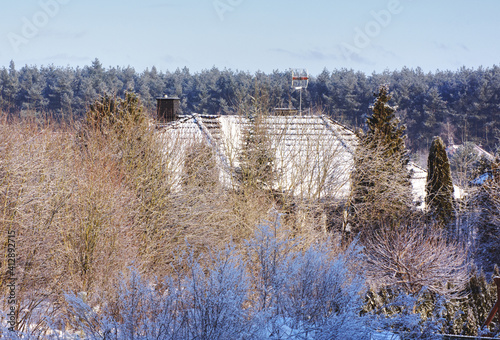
(382, 193)
(412, 257)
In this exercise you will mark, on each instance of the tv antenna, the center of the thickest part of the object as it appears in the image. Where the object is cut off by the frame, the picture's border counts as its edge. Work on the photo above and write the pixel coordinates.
(300, 80)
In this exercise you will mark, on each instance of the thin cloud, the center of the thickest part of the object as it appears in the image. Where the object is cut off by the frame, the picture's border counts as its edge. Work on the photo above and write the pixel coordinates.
(464, 47)
(451, 47)
(384, 51)
(171, 4)
(313, 54)
(345, 54)
(60, 59)
(66, 57)
(173, 59)
(62, 35)
(442, 46)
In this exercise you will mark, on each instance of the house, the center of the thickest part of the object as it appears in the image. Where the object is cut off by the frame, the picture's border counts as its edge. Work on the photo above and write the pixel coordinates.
(475, 153)
(313, 154)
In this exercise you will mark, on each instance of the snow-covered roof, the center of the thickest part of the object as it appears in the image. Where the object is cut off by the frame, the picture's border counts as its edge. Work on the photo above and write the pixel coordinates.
(451, 149)
(313, 155)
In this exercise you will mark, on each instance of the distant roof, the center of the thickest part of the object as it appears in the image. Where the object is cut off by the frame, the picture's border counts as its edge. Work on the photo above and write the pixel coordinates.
(451, 149)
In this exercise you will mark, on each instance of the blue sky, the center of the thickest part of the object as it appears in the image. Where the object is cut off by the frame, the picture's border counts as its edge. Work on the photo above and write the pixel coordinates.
(251, 35)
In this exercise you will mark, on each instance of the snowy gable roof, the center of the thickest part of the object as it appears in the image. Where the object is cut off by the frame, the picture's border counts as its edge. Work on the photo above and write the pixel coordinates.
(313, 155)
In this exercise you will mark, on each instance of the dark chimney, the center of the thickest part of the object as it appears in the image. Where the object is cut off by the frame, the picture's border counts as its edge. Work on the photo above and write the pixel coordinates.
(167, 108)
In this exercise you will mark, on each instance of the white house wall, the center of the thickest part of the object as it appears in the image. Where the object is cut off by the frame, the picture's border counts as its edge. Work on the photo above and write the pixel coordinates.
(177, 139)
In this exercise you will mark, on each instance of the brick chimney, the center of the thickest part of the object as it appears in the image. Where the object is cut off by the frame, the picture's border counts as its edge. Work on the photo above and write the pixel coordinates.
(167, 108)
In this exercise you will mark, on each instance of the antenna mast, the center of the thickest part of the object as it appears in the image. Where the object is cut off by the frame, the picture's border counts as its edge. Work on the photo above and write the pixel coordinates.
(300, 80)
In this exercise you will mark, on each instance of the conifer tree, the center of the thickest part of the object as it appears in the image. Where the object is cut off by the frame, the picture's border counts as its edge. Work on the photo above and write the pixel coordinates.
(487, 199)
(381, 187)
(257, 159)
(384, 128)
(439, 188)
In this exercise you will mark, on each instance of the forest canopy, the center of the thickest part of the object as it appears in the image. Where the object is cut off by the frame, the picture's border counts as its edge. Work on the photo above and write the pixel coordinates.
(459, 106)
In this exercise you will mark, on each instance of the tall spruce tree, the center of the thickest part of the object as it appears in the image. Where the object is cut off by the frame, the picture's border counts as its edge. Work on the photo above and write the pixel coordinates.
(439, 188)
(381, 187)
(384, 129)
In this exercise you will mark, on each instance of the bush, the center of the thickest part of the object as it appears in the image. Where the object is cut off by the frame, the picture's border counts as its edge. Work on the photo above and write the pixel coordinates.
(272, 290)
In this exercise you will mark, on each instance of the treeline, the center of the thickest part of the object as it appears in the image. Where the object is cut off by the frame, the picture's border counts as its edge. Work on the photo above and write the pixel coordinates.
(460, 105)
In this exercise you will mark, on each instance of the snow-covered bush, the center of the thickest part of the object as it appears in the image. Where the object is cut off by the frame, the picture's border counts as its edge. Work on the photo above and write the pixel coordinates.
(268, 288)
(304, 294)
(205, 302)
(408, 315)
(214, 298)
